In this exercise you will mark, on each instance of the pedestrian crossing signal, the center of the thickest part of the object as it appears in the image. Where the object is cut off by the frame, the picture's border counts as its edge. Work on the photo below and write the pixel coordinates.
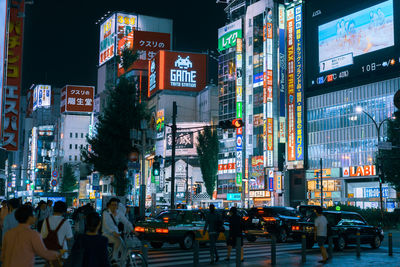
(156, 168)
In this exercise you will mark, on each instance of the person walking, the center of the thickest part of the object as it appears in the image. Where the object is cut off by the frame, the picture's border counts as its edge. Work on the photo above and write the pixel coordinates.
(213, 224)
(41, 214)
(90, 249)
(3, 212)
(21, 243)
(321, 232)
(59, 226)
(10, 221)
(235, 231)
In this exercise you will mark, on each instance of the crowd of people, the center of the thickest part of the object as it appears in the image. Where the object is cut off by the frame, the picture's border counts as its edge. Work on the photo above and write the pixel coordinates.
(44, 231)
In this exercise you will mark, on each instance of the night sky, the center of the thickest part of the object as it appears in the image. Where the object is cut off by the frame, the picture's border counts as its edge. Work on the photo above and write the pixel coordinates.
(62, 40)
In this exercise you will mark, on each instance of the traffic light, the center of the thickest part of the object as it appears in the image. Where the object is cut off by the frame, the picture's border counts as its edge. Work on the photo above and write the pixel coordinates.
(156, 168)
(230, 124)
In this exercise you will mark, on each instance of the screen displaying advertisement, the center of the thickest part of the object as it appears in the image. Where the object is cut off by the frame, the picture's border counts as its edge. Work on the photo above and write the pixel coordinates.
(354, 45)
(257, 179)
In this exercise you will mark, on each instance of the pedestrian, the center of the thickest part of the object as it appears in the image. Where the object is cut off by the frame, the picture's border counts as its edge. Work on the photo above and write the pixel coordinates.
(41, 214)
(321, 232)
(49, 208)
(3, 212)
(235, 231)
(90, 249)
(60, 229)
(10, 221)
(21, 243)
(213, 224)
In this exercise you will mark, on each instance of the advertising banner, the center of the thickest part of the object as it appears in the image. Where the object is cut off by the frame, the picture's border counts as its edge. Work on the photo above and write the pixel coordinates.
(354, 171)
(299, 85)
(282, 74)
(41, 96)
(257, 180)
(239, 110)
(126, 23)
(13, 83)
(228, 35)
(185, 141)
(226, 166)
(77, 98)
(107, 40)
(3, 25)
(160, 126)
(270, 180)
(147, 44)
(154, 75)
(291, 147)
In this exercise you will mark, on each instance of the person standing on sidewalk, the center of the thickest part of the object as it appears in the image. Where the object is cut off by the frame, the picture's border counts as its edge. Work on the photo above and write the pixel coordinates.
(321, 232)
(213, 222)
(235, 231)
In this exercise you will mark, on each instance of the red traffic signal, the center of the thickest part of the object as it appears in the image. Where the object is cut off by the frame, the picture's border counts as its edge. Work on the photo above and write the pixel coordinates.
(237, 123)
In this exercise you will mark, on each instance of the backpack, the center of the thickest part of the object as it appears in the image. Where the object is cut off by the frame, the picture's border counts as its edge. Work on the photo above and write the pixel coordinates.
(51, 241)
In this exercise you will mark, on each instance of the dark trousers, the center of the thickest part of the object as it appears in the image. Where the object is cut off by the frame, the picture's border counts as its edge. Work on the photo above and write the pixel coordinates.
(213, 247)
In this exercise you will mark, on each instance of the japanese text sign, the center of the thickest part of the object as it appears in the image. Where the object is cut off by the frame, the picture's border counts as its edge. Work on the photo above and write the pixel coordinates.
(77, 98)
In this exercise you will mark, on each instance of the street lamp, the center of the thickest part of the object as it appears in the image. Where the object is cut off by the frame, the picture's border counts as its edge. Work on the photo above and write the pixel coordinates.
(360, 110)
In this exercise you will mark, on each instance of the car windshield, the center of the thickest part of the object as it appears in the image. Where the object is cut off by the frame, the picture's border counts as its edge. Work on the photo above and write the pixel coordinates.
(168, 215)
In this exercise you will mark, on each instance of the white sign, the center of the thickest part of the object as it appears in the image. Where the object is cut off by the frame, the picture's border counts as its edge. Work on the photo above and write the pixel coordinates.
(107, 40)
(182, 77)
(153, 75)
(41, 96)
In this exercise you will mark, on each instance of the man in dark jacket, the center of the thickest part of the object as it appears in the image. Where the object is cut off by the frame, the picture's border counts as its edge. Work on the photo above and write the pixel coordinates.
(235, 231)
(213, 222)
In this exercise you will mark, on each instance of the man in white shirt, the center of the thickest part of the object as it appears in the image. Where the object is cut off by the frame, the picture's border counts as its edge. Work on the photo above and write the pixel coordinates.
(64, 233)
(321, 232)
(111, 219)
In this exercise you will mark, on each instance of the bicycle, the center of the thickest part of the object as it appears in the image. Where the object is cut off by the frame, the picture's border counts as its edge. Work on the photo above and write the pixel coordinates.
(134, 256)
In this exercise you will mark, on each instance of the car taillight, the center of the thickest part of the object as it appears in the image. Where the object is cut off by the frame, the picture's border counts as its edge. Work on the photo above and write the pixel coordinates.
(162, 230)
(295, 228)
(139, 229)
(269, 219)
(166, 219)
(245, 218)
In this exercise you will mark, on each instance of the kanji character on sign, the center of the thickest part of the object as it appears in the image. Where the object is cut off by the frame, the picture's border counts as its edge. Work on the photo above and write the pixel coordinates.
(151, 54)
(79, 101)
(71, 101)
(142, 54)
(88, 102)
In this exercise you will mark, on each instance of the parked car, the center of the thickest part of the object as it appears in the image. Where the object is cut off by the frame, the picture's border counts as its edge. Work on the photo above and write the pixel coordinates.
(264, 221)
(343, 227)
(175, 226)
(306, 210)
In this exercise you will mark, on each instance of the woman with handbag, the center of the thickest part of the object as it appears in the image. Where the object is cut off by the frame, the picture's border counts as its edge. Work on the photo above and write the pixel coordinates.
(90, 249)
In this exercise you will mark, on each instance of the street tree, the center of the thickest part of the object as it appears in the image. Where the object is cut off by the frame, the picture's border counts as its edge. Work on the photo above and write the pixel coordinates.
(68, 182)
(389, 159)
(207, 151)
(109, 148)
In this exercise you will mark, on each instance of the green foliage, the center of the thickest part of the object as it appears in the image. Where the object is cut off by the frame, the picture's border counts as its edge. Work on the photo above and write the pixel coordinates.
(391, 220)
(68, 182)
(207, 151)
(391, 158)
(111, 146)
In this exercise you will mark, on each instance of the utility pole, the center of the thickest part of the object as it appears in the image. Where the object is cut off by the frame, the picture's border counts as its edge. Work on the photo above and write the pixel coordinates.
(174, 111)
(142, 199)
(322, 187)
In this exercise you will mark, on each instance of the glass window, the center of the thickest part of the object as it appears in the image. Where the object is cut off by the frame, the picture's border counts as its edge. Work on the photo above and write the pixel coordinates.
(81, 135)
(70, 146)
(76, 157)
(76, 135)
(70, 135)
(76, 146)
(70, 157)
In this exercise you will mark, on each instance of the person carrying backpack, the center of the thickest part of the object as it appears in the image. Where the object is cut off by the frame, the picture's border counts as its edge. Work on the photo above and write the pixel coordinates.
(56, 230)
(214, 224)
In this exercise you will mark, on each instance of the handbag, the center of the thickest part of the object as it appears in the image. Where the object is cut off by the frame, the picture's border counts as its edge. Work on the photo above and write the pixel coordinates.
(75, 259)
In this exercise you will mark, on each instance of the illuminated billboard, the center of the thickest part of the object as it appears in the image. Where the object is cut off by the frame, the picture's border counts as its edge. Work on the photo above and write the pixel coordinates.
(228, 35)
(3, 24)
(171, 70)
(77, 98)
(355, 45)
(41, 96)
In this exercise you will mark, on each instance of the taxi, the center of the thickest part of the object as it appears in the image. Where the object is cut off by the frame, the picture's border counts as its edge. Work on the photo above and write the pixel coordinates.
(176, 226)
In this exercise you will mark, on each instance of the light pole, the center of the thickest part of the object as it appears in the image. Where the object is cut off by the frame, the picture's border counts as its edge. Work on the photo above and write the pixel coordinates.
(360, 110)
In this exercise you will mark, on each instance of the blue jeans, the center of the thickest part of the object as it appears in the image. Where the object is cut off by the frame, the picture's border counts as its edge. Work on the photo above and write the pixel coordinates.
(213, 248)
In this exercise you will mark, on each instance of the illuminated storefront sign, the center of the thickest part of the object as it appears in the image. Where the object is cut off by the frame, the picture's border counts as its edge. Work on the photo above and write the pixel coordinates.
(107, 40)
(226, 166)
(278, 176)
(271, 180)
(75, 98)
(234, 196)
(183, 77)
(41, 96)
(291, 147)
(326, 173)
(282, 75)
(13, 83)
(354, 171)
(228, 35)
(260, 194)
(3, 25)
(239, 111)
(299, 109)
(160, 123)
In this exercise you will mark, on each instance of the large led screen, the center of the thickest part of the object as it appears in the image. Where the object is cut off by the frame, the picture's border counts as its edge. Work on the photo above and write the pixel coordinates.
(354, 44)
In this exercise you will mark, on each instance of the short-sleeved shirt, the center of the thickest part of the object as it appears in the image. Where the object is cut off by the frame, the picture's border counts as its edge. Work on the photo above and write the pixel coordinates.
(322, 225)
(63, 234)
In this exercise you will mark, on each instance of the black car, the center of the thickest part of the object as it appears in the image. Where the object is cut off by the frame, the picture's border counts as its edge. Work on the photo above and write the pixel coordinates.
(271, 220)
(343, 227)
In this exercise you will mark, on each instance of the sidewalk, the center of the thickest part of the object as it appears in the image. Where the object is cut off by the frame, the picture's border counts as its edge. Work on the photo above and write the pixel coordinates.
(347, 259)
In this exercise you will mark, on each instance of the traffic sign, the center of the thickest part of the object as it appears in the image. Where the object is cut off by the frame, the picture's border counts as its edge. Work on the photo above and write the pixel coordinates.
(53, 182)
(54, 173)
(9, 184)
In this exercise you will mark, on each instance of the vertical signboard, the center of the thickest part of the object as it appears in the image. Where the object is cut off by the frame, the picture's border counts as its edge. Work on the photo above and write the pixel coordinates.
(107, 40)
(160, 124)
(299, 111)
(3, 25)
(41, 96)
(239, 115)
(267, 90)
(13, 83)
(291, 155)
(270, 180)
(282, 74)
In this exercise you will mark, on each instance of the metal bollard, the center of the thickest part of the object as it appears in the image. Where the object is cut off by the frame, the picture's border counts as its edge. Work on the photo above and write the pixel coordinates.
(196, 253)
(273, 250)
(358, 244)
(145, 247)
(303, 248)
(390, 244)
(330, 247)
(238, 252)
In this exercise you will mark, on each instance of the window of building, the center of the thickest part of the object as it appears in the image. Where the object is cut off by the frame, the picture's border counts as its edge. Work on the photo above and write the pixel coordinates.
(250, 79)
(249, 22)
(70, 146)
(81, 135)
(81, 146)
(250, 60)
(250, 41)
(250, 139)
(76, 135)
(70, 135)
(76, 157)
(70, 157)
(76, 146)
(250, 99)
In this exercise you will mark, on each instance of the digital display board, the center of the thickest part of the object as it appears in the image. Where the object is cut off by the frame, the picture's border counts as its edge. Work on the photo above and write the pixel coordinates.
(353, 45)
